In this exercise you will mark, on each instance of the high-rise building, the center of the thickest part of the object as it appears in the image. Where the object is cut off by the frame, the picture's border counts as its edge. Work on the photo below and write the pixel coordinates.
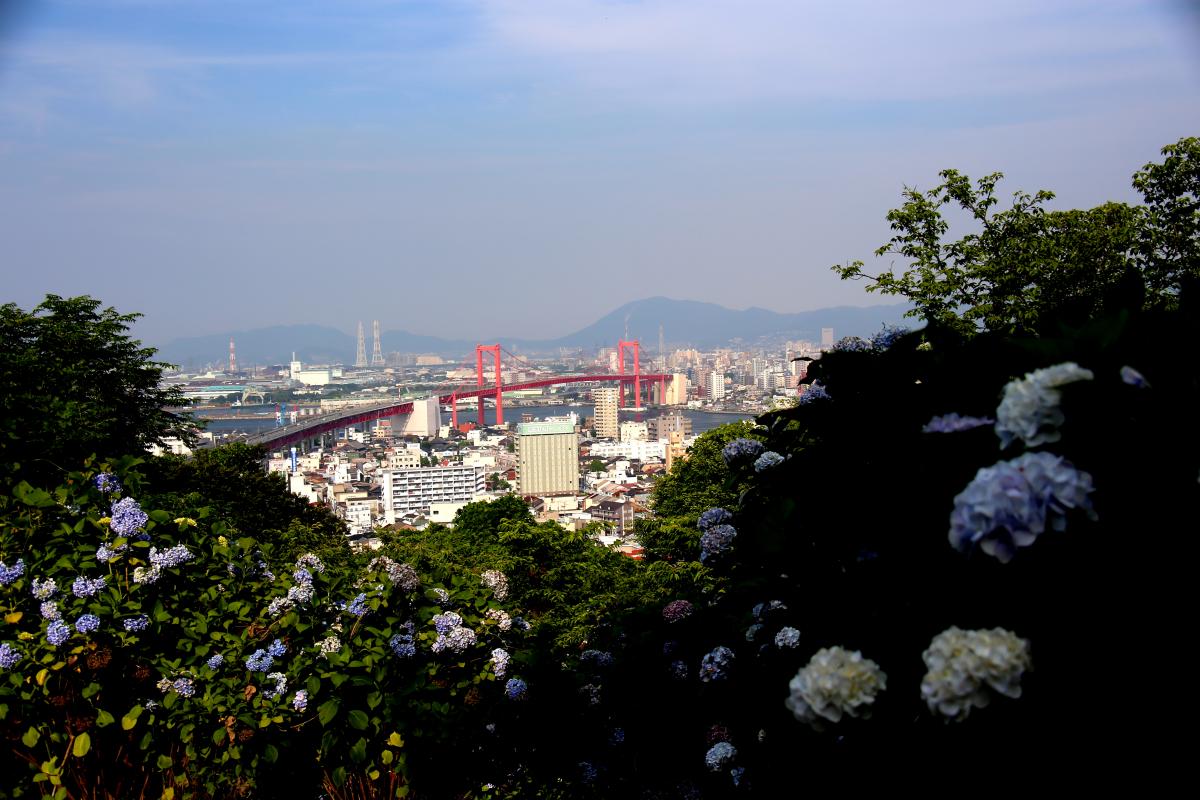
(677, 390)
(606, 400)
(660, 427)
(716, 386)
(826, 338)
(547, 458)
(413, 490)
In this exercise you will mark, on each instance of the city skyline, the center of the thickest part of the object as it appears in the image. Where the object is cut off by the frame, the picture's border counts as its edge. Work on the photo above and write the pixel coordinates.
(530, 166)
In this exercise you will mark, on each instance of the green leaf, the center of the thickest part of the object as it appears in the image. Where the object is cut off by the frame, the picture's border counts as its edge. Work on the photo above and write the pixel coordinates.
(358, 752)
(31, 737)
(270, 754)
(339, 776)
(164, 762)
(104, 719)
(374, 699)
(359, 720)
(83, 743)
(131, 718)
(328, 711)
(313, 684)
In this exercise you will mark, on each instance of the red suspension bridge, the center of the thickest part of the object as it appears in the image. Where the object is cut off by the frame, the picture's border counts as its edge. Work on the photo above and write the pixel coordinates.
(313, 427)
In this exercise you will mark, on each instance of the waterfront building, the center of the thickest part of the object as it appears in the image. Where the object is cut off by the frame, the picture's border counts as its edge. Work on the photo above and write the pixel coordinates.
(606, 399)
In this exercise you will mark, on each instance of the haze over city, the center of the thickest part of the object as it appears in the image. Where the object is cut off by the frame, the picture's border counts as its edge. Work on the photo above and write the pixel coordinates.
(525, 167)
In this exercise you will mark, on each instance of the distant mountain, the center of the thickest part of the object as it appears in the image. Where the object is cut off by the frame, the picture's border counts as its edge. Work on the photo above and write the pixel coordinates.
(684, 322)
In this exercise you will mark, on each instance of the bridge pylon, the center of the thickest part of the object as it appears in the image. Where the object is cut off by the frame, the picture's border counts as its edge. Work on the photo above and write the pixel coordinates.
(634, 345)
(494, 349)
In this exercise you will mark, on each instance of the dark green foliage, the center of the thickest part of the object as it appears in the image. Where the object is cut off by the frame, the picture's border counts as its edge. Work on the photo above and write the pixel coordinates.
(231, 480)
(73, 384)
(1025, 269)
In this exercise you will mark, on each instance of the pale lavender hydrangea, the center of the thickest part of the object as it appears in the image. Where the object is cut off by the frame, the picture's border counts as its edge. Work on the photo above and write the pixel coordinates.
(106, 553)
(716, 541)
(9, 656)
(1030, 411)
(954, 423)
(358, 606)
(852, 344)
(171, 557)
(277, 648)
(299, 594)
(310, 563)
(300, 701)
(787, 638)
(1008, 505)
(501, 617)
(184, 687)
(1134, 378)
(720, 756)
(10, 574)
(280, 687)
(259, 661)
(500, 659)
(86, 587)
(495, 580)
(215, 661)
(127, 518)
(456, 640)
(446, 621)
(966, 667)
(767, 460)
(50, 610)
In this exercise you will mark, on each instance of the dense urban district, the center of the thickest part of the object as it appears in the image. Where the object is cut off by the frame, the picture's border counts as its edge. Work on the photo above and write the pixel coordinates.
(955, 555)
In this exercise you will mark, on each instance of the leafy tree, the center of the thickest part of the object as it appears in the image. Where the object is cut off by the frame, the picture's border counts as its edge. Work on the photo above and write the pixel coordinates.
(73, 384)
(596, 466)
(698, 483)
(1024, 269)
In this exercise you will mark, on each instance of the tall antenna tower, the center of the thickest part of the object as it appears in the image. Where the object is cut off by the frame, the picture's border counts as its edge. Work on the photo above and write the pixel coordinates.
(377, 352)
(360, 360)
(232, 356)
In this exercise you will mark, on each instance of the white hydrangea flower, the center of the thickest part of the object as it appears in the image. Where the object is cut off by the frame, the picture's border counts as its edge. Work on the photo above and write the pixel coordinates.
(1029, 409)
(835, 682)
(966, 666)
(497, 581)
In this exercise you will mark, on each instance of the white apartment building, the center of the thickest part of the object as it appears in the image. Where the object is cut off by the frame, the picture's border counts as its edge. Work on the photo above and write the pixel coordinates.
(415, 490)
(633, 431)
(716, 386)
(607, 399)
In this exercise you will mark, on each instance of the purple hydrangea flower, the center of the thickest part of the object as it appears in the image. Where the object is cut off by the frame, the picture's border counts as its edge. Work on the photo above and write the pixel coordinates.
(58, 632)
(1008, 505)
(446, 621)
(300, 701)
(280, 687)
(599, 659)
(402, 646)
(259, 661)
(516, 689)
(717, 541)
(358, 606)
(500, 659)
(9, 656)
(741, 449)
(138, 623)
(107, 483)
(87, 623)
(814, 392)
(184, 687)
(788, 637)
(954, 423)
(215, 661)
(277, 648)
(10, 574)
(106, 553)
(310, 562)
(852, 344)
(720, 756)
(127, 517)
(887, 336)
(714, 516)
(456, 640)
(677, 611)
(44, 590)
(50, 610)
(171, 557)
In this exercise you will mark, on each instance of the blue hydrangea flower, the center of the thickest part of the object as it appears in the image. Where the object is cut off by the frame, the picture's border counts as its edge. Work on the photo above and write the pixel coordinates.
(44, 590)
(715, 665)
(787, 637)
(127, 517)
(767, 460)
(9, 656)
(617, 736)
(300, 701)
(50, 610)
(852, 344)
(516, 689)
(215, 661)
(402, 646)
(310, 562)
(10, 574)
(86, 587)
(814, 392)
(714, 516)
(441, 597)
(741, 449)
(716, 541)
(58, 632)
(184, 687)
(171, 557)
(596, 658)
(280, 687)
(301, 575)
(300, 593)
(887, 336)
(500, 659)
(87, 623)
(954, 423)
(259, 661)
(1008, 505)
(138, 623)
(358, 606)
(107, 483)
(277, 648)
(720, 756)
(106, 553)
(456, 640)
(446, 621)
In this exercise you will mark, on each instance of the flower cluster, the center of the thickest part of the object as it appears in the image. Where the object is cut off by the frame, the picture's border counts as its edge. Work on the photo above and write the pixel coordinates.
(677, 611)
(127, 518)
(310, 562)
(330, 644)
(215, 661)
(715, 665)
(86, 587)
(954, 423)
(280, 605)
(49, 610)
(496, 581)
(358, 606)
(452, 635)
(402, 576)
(714, 516)
(716, 541)
(87, 623)
(1134, 378)
(500, 659)
(763, 610)
(106, 553)
(138, 623)
(58, 632)
(280, 687)
(501, 617)
(401, 643)
(812, 393)
(1008, 505)
(184, 687)
(277, 648)
(44, 590)
(767, 460)
(599, 659)
(887, 336)
(720, 756)
(852, 344)
(835, 682)
(259, 661)
(742, 449)
(10, 574)
(107, 483)
(300, 701)
(444, 622)
(171, 557)
(516, 689)
(788, 637)
(963, 665)
(441, 597)
(1030, 411)
(9, 656)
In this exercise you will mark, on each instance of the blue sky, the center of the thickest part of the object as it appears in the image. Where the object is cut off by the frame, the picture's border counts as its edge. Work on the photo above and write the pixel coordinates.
(520, 167)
